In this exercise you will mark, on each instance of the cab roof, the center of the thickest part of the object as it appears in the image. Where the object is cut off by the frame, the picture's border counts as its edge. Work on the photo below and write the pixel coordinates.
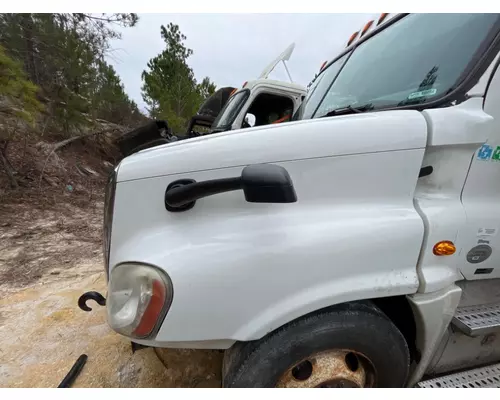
(270, 82)
(264, 76)
(369, 27)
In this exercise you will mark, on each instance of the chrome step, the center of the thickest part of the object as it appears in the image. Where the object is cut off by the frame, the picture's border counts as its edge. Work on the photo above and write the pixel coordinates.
(485, 377)
(478, 320)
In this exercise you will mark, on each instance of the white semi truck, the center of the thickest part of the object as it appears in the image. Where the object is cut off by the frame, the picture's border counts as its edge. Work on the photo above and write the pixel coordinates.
(356, 246)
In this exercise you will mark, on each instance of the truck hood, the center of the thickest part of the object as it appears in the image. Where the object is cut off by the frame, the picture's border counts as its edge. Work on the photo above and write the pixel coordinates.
(267, 144)
(218, 150)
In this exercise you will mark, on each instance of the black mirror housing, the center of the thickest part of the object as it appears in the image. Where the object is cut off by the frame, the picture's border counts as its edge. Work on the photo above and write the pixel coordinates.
(261, 183)
(267, 183)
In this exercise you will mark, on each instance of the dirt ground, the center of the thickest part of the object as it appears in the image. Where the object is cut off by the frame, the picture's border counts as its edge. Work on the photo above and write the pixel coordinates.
(49, 255)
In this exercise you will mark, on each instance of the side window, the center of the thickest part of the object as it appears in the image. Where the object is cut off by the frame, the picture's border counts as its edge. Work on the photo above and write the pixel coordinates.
(267, 109)
(232, 108)
(319, 86)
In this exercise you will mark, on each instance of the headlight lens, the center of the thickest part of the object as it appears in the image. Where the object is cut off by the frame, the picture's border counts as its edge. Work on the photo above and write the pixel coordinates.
(139, 297)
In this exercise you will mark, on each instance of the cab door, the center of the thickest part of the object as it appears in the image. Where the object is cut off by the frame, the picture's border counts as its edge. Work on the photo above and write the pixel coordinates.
(479, 240)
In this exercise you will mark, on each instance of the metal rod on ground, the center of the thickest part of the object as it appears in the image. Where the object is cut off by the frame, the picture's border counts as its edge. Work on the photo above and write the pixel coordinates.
(73, 373)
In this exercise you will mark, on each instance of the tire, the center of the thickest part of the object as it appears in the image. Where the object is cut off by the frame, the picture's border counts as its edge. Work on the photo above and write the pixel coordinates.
(354, 330)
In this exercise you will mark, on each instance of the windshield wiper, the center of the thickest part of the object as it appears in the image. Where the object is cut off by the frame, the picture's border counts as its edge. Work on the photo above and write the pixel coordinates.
(349, 110)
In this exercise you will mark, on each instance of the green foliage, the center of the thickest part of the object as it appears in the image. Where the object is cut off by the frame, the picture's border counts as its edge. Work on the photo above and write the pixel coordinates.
(109, 99)
(64, 55)
(19, 92)
(169, 87)
(206, 88)
(61, 58)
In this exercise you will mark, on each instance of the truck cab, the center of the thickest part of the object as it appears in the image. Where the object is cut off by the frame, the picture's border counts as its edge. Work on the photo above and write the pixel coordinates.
(258, 102)
(357, 245)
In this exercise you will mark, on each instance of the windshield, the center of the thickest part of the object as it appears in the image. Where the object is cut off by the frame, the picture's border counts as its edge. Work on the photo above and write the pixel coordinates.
(320, 85)
(418, 58)
(230, 111)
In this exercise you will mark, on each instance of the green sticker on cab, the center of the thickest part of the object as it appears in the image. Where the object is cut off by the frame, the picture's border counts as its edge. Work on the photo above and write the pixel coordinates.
(422, 93)
(496, 154)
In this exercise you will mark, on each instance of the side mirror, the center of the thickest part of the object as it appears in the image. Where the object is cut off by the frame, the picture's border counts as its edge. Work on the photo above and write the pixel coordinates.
(267, 183)
(261, 183)
(249, 121)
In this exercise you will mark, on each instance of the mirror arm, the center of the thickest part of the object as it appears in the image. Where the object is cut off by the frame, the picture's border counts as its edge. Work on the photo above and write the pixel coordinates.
(180, 196)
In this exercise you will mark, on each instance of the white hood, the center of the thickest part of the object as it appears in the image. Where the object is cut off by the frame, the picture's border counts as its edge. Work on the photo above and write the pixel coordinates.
(267, 144)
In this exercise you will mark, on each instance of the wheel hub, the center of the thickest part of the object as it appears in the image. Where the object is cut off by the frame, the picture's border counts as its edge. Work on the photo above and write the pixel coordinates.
(330, 369)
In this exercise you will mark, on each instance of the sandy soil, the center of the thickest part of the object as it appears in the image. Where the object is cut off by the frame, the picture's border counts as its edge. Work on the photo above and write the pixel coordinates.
(48, 257)
(43, 332)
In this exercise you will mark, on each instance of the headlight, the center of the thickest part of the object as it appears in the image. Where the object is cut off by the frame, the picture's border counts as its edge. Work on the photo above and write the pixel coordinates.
(139, 297)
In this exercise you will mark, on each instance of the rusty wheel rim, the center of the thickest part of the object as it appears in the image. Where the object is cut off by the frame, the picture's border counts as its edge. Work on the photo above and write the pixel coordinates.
(330, 369)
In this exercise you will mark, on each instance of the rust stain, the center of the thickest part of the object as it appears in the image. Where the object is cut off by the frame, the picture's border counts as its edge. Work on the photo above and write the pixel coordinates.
(334, 368)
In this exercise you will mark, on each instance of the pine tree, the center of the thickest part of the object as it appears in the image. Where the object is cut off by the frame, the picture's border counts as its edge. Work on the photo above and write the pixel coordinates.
(64, 55)
(169, 87)
(19, 97)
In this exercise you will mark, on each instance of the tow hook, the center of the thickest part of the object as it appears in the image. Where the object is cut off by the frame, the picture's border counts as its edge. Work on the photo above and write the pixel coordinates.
(96, 296)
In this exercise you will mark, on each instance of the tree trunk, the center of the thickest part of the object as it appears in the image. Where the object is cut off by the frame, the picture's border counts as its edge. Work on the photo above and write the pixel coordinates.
(8, 169)
(29, 60)
(63, 143)
(4, 151)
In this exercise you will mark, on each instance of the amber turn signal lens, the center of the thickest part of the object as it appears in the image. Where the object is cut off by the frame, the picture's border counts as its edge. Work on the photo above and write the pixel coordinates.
(381, 18)
(444, 248)
(153, 310)
(351, 39)
(367, 26)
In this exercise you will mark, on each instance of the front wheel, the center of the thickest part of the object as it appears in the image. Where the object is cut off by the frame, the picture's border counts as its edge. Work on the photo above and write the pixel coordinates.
(353, 345)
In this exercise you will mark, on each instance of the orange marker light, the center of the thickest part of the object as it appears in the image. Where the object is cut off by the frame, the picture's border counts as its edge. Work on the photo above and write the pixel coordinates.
(367, 26)
(322, 66)
(444, 248)
(351, 39)
(381, 18)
